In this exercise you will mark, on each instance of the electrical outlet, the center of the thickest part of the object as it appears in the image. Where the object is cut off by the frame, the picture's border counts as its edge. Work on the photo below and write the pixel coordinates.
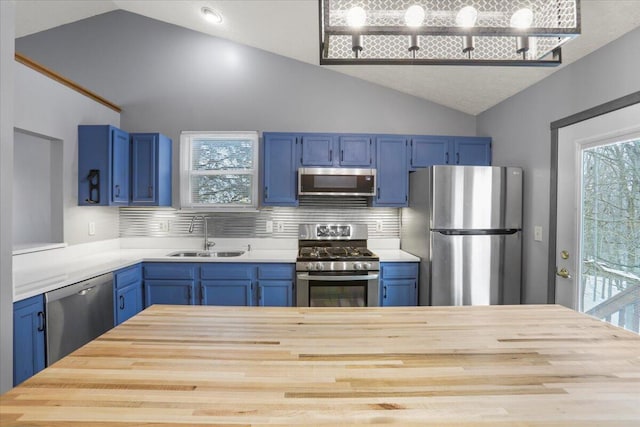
(92, 228)
(280, 226)
(537, 233)
(379, 225)
(269, 226)
(164, 225)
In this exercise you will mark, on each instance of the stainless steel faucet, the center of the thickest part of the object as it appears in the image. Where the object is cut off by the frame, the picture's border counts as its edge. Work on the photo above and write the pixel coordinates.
(207, 244)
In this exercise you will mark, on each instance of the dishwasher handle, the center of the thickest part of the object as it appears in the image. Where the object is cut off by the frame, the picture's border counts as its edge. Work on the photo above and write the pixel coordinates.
(81, 288)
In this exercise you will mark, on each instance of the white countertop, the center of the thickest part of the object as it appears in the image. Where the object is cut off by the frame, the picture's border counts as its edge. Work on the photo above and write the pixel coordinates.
(42, 273)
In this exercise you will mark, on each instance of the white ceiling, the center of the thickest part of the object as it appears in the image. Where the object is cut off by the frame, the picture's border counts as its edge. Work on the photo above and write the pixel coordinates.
(290, 28)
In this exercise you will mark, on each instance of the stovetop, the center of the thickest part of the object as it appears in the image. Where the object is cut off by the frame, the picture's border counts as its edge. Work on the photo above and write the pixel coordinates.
(319, 253)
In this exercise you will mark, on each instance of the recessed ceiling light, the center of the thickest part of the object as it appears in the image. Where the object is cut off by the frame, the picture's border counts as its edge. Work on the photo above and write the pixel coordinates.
(211, 15)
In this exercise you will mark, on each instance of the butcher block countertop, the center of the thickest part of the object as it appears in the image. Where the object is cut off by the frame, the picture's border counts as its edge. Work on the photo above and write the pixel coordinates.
(420, 366)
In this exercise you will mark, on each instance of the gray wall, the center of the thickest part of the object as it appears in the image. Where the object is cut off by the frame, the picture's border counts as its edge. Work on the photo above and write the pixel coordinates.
(521, 135)
(167, 78)
(7, 34)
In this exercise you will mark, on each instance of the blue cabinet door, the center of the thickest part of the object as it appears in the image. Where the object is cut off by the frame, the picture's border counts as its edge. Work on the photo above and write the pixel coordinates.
(425, 151)
(150, 169)
(356, 151)
(393, 176)
(128, 302)
(472, 151)
(317, 150)
(28, 338)
(180, 292)
(399, 284)
(280, 170)
(103, 166)
(275, 293)
(227, 292)
(275, 285)
(399, 292)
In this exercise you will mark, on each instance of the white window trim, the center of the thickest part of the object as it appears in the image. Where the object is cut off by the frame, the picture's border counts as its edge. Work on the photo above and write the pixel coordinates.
(186, 138)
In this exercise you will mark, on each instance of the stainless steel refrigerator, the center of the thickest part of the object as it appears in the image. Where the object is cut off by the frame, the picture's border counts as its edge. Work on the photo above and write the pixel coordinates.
(465, 224)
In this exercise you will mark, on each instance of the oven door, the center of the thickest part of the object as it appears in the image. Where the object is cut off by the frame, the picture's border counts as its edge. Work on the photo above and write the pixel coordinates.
(344, 289)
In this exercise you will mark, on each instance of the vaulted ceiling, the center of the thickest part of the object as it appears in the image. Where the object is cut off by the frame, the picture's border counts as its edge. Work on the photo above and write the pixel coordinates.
(290, 28)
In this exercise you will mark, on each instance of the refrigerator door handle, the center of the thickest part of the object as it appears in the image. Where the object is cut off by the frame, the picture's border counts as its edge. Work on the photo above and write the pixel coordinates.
(506, 231)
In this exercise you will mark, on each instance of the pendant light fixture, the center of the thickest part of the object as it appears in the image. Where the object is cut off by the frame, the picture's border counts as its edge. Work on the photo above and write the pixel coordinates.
(492, 32)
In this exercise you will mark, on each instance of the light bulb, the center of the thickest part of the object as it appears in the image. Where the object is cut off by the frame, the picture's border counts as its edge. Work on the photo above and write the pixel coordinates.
(522, 18)
(356, 17)
(414, 16)
(467, 17)
(211, 15)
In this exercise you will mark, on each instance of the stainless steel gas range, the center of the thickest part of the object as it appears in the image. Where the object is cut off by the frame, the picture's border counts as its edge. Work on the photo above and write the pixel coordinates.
(334, 268)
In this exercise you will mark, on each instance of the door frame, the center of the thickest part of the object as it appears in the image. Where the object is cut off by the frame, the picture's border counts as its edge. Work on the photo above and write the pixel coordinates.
(608, 107)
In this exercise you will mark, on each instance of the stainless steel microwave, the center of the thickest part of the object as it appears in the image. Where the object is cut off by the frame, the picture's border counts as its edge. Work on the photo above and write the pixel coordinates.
(336, 182)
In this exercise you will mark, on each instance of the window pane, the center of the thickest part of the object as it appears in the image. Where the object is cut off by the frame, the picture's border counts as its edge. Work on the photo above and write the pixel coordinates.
(221, 189)
(610, 270)
(217, 154)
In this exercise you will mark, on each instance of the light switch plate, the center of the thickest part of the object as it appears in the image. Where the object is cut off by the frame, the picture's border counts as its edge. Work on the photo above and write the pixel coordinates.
(379, 225)
(92, 228)
(280, 226)
(537, 233)
(269, 226)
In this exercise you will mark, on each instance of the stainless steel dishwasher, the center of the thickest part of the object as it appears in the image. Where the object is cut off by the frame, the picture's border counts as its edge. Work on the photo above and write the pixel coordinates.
(76, 314)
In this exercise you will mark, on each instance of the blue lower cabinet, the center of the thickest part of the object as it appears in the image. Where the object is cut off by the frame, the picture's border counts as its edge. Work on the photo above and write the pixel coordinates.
(127, 293)
(275, 285)
(169, 283)
(28, 338)
(227, 283)
(179, 292)
(227, 292)
(399, 284)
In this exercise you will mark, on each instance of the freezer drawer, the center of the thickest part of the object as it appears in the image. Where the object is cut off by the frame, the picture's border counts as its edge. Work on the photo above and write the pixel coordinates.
(475, 269)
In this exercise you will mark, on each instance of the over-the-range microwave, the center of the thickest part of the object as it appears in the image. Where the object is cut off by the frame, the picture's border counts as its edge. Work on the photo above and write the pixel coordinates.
(336, 181)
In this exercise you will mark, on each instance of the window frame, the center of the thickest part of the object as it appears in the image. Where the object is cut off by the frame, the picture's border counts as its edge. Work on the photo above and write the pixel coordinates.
(186, 171)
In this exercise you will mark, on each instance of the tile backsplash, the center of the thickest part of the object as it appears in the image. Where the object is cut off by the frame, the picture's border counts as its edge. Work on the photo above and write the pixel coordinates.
(169, 222)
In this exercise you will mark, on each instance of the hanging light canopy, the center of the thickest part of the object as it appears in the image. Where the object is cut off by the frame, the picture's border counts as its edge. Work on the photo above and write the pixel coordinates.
(446, 32)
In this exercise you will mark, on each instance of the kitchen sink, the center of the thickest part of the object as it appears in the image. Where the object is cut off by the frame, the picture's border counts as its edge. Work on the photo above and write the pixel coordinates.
(204, 254)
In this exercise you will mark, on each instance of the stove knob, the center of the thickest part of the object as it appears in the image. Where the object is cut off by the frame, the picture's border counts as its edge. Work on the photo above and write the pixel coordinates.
(310, 266)
(357, 266)
(319, 266)
(367, 266)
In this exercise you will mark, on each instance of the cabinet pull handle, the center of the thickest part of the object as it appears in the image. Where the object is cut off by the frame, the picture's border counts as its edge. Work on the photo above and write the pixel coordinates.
(266, 192)
(189, 294)
(331, 155)
(117, 190)
(457, 158)
(384, 288)
(446, 158)
(151, 191)
(40, 321)
(378, 193)
(121, 302)
(259, 294)
(342, 155)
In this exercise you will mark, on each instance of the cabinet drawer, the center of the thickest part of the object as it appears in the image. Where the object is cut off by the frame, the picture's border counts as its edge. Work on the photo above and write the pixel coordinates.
(169, 271)
(399, 270)
(226, 271)
(128, 276)
(276, 271)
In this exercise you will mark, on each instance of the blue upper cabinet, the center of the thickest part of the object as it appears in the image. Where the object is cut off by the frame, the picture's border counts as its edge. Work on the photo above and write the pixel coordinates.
(356, 151)
(393, 176)
(28, 338)
(103, 166)
(474, 151)
(150, 169)
(279, 170)
(317, 150)
(427, 151)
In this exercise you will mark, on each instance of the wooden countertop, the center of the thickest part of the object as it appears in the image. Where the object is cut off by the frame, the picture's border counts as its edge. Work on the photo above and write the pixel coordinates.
(422, 366)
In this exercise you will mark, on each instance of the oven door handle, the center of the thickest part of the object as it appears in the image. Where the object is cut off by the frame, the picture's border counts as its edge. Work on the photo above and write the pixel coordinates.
(306, 276)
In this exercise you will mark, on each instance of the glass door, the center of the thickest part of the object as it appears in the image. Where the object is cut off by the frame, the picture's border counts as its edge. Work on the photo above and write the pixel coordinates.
(598, 217)
(609, 282)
